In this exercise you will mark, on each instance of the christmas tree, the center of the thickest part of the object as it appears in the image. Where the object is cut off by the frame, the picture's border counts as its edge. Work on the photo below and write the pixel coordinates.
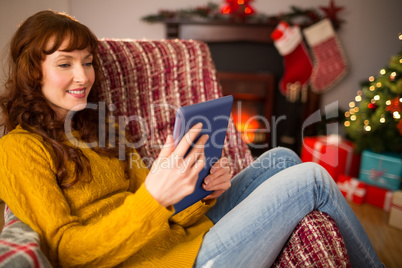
(374, 119)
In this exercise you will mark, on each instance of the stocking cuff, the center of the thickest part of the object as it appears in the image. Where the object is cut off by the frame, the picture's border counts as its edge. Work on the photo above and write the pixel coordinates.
(319, 32)
(289, 41)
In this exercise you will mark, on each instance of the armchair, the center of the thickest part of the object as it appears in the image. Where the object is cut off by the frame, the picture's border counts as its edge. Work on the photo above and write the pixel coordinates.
(144, 82)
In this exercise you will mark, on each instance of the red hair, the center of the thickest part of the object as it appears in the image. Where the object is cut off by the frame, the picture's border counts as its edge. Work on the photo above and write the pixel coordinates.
(24, 104)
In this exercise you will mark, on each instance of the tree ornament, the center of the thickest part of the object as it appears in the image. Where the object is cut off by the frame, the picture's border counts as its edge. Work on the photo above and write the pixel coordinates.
(372, 106)
(399, 126)
(395, 106)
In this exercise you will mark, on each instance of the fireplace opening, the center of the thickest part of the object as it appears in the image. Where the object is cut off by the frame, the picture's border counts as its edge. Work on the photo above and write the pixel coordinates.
(247, 120)
(252, 108)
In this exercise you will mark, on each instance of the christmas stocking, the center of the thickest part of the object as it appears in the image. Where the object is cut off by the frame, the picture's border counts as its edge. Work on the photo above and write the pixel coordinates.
(297, 63)
(330, 65)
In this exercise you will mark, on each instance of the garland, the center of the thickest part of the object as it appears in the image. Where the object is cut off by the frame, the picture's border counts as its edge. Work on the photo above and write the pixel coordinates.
(211, 13)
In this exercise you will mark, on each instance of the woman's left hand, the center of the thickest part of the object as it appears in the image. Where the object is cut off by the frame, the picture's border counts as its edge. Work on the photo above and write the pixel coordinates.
(218, 180)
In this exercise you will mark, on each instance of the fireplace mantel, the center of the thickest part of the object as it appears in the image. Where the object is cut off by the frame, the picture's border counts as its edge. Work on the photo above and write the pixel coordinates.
(219, 31)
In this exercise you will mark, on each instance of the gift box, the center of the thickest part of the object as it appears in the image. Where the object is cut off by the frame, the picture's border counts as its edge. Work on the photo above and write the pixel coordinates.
(395, 215)
(379, 197)
(352, 189)
(383, 170)
(333, 153)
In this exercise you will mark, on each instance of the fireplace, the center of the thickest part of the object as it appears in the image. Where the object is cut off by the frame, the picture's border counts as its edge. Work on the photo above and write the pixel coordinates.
(248, 67)
(253, 102)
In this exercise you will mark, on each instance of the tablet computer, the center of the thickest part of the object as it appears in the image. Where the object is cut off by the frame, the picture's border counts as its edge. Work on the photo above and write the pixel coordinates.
(214, 116)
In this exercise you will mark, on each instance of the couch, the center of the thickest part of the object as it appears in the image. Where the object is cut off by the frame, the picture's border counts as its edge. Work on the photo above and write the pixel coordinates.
(144, 83)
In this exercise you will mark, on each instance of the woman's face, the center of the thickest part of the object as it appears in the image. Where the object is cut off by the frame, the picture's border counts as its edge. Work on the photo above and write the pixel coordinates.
(67, 80)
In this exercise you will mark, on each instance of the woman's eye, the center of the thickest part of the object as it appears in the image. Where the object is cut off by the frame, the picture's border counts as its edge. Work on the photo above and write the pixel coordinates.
(88, 64)
(65, 65)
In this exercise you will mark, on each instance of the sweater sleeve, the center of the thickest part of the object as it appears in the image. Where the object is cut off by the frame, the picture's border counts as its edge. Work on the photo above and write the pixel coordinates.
(193, 213)
(29, 187)
(187, 217)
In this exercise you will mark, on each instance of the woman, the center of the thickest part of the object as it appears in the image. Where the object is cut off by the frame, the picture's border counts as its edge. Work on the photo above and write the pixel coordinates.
(91, 209)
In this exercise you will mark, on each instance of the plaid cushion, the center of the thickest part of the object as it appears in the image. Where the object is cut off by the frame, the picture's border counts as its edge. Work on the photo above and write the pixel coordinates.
(315, 242)
(146, 81)
(19, 244)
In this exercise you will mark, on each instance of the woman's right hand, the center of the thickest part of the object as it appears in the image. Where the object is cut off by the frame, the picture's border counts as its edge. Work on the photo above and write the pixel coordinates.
(173, 176)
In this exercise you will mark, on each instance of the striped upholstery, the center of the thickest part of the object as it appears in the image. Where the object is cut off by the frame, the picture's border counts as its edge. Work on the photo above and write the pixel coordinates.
(148, 80)
(315, 242)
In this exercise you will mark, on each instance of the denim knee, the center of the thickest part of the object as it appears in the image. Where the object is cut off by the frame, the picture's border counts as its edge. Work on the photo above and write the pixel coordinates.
(318, 173)
(281, 153)
(278, 158)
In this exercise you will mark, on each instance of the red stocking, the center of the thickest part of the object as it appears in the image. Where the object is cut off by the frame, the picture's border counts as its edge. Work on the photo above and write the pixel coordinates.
(330, 64)
(297, 63)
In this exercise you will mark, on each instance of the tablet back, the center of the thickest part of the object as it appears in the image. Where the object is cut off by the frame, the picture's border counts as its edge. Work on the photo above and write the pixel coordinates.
(214, 115)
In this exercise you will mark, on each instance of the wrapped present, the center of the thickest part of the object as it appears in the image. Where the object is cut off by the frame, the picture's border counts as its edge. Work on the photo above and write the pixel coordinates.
(379, 197)
(352, 189)
(383, 170)
(332, 152)
(395, 215)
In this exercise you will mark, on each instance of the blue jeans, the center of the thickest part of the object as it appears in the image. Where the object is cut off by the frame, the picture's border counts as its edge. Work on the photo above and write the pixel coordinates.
(256, 216)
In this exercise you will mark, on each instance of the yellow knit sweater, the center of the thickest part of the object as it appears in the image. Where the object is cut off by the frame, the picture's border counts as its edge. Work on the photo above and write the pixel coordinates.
(103, 222)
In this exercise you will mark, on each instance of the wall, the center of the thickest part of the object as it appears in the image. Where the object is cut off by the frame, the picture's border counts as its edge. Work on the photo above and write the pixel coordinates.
(12, 13)
(369, 36)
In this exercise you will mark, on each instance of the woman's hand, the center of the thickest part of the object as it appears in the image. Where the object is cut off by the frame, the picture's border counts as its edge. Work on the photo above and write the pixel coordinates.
(219, 179)
(173, 177)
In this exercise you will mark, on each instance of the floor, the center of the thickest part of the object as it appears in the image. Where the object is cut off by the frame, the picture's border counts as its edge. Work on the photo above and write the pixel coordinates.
(386, 240)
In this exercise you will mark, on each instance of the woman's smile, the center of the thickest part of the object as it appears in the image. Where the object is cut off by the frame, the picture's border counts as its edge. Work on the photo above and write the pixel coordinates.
(77, 93)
